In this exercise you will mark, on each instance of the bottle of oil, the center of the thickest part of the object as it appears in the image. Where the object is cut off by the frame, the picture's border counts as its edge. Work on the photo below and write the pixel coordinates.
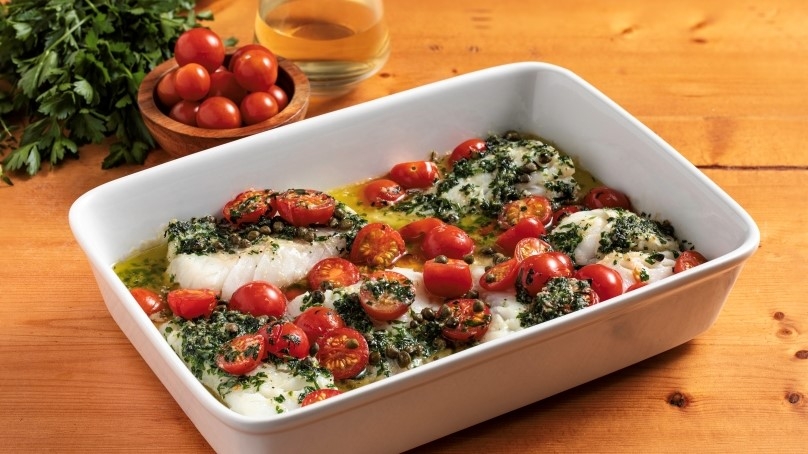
(336, 43)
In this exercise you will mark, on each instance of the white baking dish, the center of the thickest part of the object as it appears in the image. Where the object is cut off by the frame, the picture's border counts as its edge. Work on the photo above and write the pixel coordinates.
(112, 221)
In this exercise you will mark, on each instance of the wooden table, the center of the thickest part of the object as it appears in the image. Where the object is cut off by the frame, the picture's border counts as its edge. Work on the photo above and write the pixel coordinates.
(725, 85)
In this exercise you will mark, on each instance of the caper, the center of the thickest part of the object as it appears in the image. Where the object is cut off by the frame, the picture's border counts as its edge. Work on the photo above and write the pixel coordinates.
(317, 297)
(428, 314)
(441, 259)
(439, 343)
(530, 167)
(314, 348)
(375, 357)
(478, 306)
(278, 226)
(244, 243)
(545, 158)
(233, 239)
(452, 322)
(253, 235)
(265, 230)
(524, 178)
(217, 245)
(339, 212)
(333, 222)
(490, 278)
(468, 258)
(305, 233)
(444, 312)
(346, 224)
(404, 359)
(413, 324)
(500, 257)
(488, 250)
(391, 352)
(418, 317)
(472, 294)
(451, 218)
(352, 344)
(512, 136)
(231, 327)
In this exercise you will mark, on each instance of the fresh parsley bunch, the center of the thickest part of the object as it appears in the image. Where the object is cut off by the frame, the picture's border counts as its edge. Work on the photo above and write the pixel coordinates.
(70, 72)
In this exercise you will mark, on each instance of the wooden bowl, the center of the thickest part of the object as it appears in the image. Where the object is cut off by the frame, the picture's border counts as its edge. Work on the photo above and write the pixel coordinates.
(179, 139)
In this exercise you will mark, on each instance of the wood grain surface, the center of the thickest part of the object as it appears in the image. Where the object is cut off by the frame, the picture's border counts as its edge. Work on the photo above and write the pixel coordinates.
(723, 82)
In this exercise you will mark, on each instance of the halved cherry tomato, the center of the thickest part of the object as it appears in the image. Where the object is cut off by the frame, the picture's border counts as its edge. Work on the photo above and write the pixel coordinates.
(318, 320)
(332, 272)
(468, 149)
(415, 174)
(304, 207)
(417, 229)
(192, 82)
(247, 207)
(527, 227)
(535, 206)
(218, 112)
(530, 246)
(606, 197)
(259, 298)
(501, 276)
(448, 240)
(285, 340)
(450, 278)
(242, 354)
(687, 260)
(605, 281)
(255, 69)
(192, 303)
(319, 395)
(383, 192)
(150, 301)
(202, 46)
(470, 319)
(386, 295)
(377, 245)
(343, 351)
(563, 212)
(536, 270)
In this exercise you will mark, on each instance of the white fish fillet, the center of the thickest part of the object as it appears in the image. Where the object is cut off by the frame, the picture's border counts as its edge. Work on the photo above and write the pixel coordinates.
(281, 262)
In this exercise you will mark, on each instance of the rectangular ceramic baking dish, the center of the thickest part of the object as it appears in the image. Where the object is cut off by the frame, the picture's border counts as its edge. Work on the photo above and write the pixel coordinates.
(363, 141)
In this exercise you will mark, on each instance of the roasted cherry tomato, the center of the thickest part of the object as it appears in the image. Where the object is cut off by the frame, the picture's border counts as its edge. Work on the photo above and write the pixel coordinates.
(280, 96)
(415, 174)
(468, 149)
(535, 206)
(377, 245)
(259, 298)
(382, 192)
(563, 212)
(318, 320)
(201, 46)
(242, 354)
(192, 303)
(605, 197)
(527, 227)
(417, 229)
(305, 207)
(255, 69)
(150, 301)
(258, 106)
(184, 112)
(448, 240)
(192, 82)
(218, 112)
(223, 83)
(343, 351)
(167, 91)
(500, 277)
(469, 320)
(536, 270)
(247, 207)
(319, 395)
(605, 281)
(285, 340)
(332, 272)
(449, 278)
(636, 285)
(530, 246)
(687, 260)
(386, 295)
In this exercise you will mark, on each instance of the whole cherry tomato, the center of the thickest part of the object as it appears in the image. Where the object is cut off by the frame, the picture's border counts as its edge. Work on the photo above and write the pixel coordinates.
(223, 83)
(527, 227)
(382, 192)
(192, 82)
(192, 303)
(218, 112)
(285, 340)
(280, 96)
(606, 197)
(416, 174)
(258, 106)
(417, 229)
(468, 149)
(150, 301)
(605, 281)
(536, 270)
(448, 240)
(201, 46)
(687, 260)
(184, 112)
(255, 69)
(318, 320)
(167, 91)
(259, 298)
(450, 278)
